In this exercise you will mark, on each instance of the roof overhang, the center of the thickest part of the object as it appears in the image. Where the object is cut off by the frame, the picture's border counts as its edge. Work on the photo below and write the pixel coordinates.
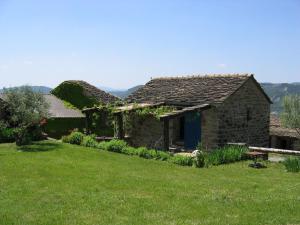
(177, 113)
(133, 107)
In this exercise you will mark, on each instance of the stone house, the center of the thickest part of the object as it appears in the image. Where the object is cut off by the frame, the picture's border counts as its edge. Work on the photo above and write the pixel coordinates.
(282, 137)
(212, 110)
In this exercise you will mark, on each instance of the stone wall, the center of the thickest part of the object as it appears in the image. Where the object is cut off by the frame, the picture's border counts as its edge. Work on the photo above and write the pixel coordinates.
(244, 117)
(284, 143)
(144, 131)
(209, 129)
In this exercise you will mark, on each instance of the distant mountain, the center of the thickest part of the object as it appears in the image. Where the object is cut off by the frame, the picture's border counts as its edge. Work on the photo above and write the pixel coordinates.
(41, 89)
(278, 91)
(124, 94)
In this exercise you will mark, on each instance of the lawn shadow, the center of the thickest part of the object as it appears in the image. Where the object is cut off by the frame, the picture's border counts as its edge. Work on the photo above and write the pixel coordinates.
(39, 147)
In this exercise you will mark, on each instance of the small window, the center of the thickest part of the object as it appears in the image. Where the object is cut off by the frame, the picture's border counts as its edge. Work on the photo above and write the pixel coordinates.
(249, 116)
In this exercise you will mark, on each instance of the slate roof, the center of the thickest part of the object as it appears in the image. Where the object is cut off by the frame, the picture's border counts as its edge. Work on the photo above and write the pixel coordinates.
(191, 90)
(277, 129)
(57, 108)
(92, 91)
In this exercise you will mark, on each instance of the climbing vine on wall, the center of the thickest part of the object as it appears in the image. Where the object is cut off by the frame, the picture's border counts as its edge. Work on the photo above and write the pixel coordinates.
(138, 116)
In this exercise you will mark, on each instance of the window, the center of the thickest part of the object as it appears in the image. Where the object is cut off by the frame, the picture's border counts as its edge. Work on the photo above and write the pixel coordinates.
(249, 114)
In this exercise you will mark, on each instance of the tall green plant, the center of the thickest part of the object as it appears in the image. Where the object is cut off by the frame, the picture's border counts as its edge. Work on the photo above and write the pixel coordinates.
(292, 164)
(291, 113)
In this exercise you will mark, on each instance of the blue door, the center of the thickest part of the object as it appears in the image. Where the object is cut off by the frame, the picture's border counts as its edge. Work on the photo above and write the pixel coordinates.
(192, 130)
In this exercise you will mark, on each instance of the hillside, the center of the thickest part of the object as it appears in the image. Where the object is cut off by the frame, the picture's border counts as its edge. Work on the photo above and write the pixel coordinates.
(124, 94)
(82, 94)
(278, 91)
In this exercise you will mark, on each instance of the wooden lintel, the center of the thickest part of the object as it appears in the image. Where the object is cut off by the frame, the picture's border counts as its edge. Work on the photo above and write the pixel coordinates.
(178, 113)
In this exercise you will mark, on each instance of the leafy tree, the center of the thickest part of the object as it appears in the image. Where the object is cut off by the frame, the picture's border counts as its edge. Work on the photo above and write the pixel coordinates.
(26, 111)
(291, 113)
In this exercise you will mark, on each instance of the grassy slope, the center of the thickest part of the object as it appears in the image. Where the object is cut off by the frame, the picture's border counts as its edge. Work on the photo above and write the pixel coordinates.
(63, 184)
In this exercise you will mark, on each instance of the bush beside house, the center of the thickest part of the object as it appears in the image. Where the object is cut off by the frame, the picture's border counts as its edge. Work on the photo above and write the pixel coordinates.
(225, 155)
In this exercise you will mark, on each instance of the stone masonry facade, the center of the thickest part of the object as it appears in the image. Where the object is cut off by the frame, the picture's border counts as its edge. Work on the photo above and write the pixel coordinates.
(240, 110)
(244, 117)
(145, 132)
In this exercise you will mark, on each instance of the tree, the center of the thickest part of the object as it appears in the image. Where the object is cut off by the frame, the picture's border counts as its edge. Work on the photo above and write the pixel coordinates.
(26, 110)
(291, 114)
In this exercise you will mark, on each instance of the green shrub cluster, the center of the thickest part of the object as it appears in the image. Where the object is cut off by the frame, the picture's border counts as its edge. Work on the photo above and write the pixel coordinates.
(7, 135)
(292, 164)
(228, 154)
(182, 160)
(89, 141)
(75, 138)
(115, 145)
(202, 159)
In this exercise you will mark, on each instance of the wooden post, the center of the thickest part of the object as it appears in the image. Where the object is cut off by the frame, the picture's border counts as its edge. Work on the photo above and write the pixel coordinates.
(166, 134)
(120, 130)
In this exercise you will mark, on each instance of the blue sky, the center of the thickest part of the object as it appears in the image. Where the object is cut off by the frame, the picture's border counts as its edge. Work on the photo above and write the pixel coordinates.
(124, 43)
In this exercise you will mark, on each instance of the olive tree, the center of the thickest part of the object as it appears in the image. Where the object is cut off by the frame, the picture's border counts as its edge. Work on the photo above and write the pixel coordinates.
(290, 116)
(26, 111)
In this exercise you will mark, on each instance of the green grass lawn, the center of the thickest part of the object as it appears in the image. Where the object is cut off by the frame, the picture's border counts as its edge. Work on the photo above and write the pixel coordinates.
(54, 183)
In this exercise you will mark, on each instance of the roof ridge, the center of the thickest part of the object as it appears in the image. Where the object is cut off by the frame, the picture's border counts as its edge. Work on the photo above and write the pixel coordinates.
(233, 75)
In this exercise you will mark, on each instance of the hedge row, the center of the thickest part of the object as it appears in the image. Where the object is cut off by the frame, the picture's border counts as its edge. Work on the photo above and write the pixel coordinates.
(115, 145)
(225, 155)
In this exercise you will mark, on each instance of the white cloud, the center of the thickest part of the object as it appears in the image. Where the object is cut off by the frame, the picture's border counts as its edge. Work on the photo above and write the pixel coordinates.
(3, 67)
(28, 62)
(222, 65)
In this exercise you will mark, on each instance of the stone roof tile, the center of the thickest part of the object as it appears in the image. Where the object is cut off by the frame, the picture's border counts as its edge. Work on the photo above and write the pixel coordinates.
(193, 90)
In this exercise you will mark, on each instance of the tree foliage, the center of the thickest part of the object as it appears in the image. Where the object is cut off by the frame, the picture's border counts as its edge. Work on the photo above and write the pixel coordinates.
(26, 110)
(290, 116)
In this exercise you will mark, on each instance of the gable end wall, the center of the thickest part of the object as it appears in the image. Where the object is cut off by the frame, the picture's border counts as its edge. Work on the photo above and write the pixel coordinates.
(245, 117)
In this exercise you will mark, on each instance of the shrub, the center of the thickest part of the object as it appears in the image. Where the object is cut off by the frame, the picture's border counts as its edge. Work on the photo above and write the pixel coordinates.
(129, 151)
(22, 136)
(89, 141)
(292, 164)
(102, 145)
(146, 153)
(182, 160)
(76, 138)
(116, 145)
(143, 153)
(158, 155)
(7, 135)
(65, 139)
(161, 155)
(200, 159)
(227, 154)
